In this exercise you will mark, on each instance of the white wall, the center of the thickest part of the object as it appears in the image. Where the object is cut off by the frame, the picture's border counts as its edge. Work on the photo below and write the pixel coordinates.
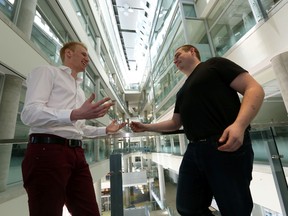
(16, 50)
(255, 51)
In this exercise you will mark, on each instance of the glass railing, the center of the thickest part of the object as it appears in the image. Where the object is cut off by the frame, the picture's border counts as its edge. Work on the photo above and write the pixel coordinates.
(95, 150)
(268, 164)
(264, 136)
(270, 169)
(226, 33)
(103, 145)
(8, 8)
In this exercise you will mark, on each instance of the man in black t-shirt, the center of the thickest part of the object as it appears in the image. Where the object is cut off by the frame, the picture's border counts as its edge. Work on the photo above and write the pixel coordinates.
(219, 158)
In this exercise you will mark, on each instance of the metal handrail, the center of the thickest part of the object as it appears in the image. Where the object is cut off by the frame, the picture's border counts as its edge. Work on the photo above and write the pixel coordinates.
(116, 135)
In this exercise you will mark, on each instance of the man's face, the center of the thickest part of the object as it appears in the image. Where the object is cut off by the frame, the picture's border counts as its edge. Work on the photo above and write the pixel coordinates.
(182, 59)
(79, 58)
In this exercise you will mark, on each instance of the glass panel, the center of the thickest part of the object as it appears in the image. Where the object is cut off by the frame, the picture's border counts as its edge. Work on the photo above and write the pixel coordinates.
(260, 153)
(189, 10)
(46, 39)
(217, 11)
(8, 7)
(165, 59)
(15, 173)
(165, 75)
(263, 175)
(161, 26)
(95, 150)
(80, 13)
(89, 86)
(18, 148)
(232, 24)
(197, 35)
(163, 110)
(91, 38)
(281, 139)
(142, 144)
(268, 5)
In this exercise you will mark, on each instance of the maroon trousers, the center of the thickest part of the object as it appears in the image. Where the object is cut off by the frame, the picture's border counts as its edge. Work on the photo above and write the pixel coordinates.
(55, 175)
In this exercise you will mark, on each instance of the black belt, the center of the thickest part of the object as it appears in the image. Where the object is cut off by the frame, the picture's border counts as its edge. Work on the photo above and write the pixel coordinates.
(53, 139)
(211, 138)
(207, 139)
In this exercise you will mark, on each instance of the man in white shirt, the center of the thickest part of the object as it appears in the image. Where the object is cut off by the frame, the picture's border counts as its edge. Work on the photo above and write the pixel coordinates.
(54, 169)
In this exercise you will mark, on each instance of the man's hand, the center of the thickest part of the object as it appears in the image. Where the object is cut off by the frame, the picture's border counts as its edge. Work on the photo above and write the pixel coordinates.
(137, 127)
(114, 127)
(232, 138)
(90, 110)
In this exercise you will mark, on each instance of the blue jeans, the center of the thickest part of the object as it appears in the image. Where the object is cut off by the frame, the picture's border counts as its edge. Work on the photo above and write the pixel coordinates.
(206, 172)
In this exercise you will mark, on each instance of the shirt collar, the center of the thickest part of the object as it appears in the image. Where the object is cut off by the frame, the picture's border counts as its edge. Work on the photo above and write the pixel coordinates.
(69, 71)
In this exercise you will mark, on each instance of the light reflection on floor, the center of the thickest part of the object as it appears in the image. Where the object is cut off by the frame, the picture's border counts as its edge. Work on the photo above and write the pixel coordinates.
(66, 213)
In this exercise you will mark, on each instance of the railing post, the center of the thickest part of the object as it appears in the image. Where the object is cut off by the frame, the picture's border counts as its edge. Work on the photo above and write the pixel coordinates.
(278, 173)
(116, 185)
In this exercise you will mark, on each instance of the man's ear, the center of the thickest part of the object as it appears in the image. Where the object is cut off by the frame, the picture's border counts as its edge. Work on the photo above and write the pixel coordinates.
(192, 49)
(68, 52)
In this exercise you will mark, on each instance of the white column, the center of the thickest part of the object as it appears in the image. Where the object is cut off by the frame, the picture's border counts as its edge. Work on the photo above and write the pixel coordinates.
(96, 150)
(97, 186)
(125, 164)
(172, 144)
(97, 87)
(126, 196)
(158, 144)
(8, 116)
(129, 162)
(280, 67)
(149, 161)
(162, 187)
(26, 16)
(142, 161)
(98, 45)
(150, 189)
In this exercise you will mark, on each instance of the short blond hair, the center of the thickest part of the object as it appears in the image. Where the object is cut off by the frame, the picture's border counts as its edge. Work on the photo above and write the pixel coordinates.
(70, 45)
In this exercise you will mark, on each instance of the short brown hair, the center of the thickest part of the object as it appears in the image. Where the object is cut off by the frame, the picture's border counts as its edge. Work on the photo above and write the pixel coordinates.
(188, 47)
(70, 45)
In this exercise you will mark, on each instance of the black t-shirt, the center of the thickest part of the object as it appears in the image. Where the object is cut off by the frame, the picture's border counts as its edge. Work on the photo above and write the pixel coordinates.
(206, 102)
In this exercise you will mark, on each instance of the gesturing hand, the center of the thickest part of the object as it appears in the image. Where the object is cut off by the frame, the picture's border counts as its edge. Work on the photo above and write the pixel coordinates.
(137, 126)
(90, 110)
(114, 127)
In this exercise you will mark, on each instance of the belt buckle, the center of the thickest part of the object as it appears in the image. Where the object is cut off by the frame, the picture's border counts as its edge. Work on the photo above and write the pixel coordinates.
(73, 143)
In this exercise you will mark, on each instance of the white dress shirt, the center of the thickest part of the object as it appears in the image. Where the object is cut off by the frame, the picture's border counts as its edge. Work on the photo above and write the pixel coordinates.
(52, 94)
